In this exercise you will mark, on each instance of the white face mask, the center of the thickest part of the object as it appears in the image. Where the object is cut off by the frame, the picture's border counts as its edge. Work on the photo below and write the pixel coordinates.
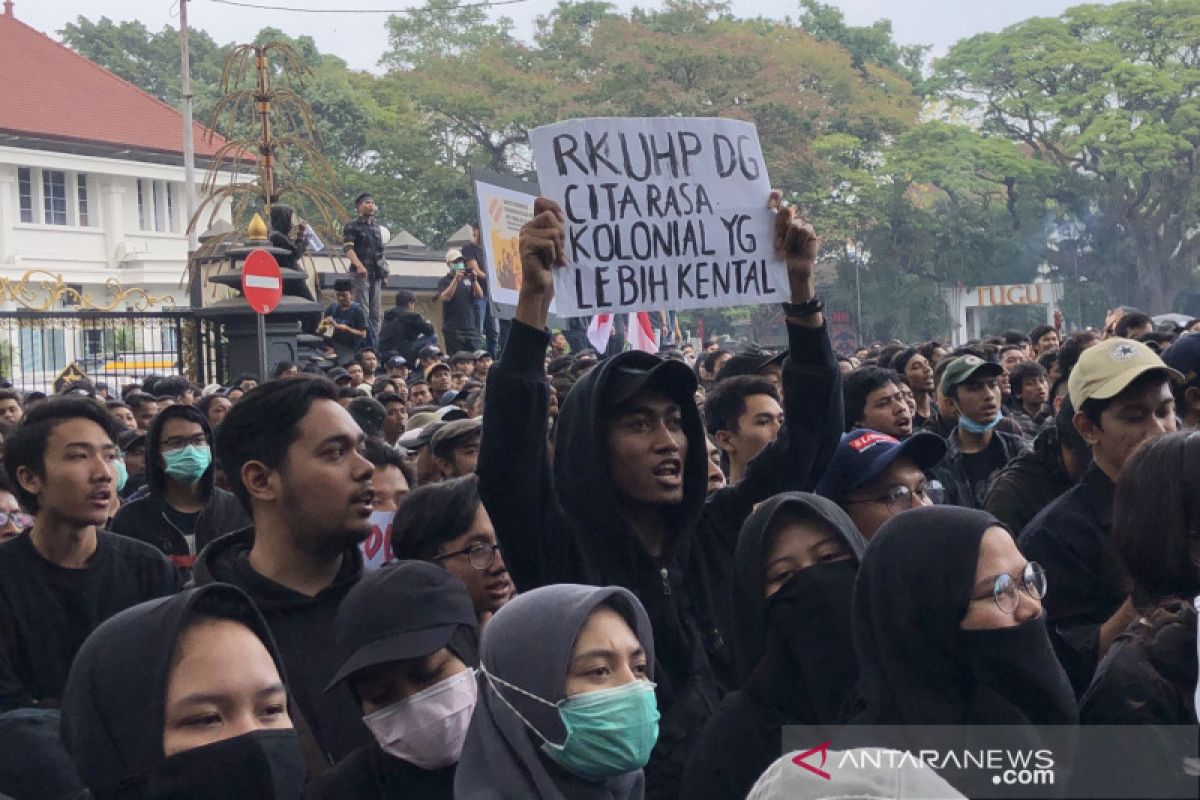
(428, 728)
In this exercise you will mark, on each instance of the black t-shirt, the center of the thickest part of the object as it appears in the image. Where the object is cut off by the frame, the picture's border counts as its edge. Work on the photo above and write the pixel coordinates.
(981, 465)
(46, 611)
(184, 523)
(473, 252)
(459, 310)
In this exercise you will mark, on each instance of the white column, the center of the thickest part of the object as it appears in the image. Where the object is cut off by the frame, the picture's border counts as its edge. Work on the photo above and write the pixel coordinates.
(8, 210)
(113, 200)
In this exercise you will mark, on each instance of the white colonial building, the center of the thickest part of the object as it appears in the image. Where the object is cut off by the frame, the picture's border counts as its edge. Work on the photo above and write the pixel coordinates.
(92, 208)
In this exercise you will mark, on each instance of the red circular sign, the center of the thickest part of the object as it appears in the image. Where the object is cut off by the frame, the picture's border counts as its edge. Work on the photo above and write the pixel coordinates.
(262, 282)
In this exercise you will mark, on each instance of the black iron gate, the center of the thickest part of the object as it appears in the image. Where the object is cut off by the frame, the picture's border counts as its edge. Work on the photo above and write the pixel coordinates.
(115, 347)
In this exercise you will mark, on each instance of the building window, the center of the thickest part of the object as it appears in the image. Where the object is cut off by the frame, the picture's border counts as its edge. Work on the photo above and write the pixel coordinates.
(157, 206)
(81, 198)
(25, 190)
(54, 196)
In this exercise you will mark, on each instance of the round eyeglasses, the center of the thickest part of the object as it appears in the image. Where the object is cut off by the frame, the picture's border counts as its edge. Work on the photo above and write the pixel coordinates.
(1032, 581)
(480, 555)
(18, 518)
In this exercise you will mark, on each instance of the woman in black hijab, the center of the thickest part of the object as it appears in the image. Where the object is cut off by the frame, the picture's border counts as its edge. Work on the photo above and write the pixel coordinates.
(283, 224)
(796, 559)
(949, 630)
(566, 709)
(182, 697)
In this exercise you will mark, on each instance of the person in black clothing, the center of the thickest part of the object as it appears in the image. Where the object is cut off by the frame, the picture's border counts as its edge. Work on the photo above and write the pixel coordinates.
(977, 451)
(183, 511)
(1122, 395)
(289, 233)
(949, 631)
(797, 556)
(66, 575)
(1037, 477)
(362, 241)
(407, 643)
(1148, 676)
(349, 322)
(1030, 396)
(292, 455)
(183, 697)
(625, 504)
(458, 290)
(404, 331)
(475, 259)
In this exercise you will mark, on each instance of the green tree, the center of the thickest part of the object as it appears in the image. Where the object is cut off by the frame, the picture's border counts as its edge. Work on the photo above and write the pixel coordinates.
(870, 44)
(1109, 96)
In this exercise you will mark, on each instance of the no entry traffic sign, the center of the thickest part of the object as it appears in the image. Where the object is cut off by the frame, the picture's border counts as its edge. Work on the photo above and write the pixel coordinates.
(262, 282)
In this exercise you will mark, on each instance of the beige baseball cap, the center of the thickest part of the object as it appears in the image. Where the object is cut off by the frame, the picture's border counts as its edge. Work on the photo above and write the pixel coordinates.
(1105, 369)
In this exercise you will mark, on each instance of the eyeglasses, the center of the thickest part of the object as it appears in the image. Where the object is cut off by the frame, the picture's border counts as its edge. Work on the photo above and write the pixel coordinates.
(480, 555)
(900, 498)
(18, 518)
(180, 442)
(1004, 590)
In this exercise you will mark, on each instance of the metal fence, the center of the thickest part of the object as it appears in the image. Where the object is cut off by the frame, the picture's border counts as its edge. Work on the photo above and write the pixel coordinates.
(115, 347)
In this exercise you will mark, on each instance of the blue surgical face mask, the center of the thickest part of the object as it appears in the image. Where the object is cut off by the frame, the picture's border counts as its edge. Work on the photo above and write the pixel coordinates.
(122, 473)
(609, 732)
(187, 464)
(971, 426)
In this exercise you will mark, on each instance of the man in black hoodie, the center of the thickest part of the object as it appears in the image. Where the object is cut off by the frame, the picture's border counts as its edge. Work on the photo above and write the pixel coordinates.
(625, 501)
(183, 511)
(405, 331)
(293, 456)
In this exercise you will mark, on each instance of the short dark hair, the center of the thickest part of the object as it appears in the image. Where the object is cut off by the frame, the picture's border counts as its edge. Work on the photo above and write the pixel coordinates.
(1040, 331)
(138, 399)
(901, 359)
(404, 297)
(383, 385)
(381, 454)
(207, 401)
(26, 445)
(347, 392)
(860, 383)
(362, 350)
(726, 402)
(1015, 337)
(433, 515)
(174, 387)
(10, 394)
(1012, 346)
(1068, 435)
(389, 397)
(264, 424)
(1071, 349)
(1048, 360)
(1025, 371)
(1094, 407)
(1156, 519)
(282, 367)
(710, 358)
(1132, 319)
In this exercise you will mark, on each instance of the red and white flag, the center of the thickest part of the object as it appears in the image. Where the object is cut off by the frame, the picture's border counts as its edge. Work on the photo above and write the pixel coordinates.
(641, 334)
(599, 329)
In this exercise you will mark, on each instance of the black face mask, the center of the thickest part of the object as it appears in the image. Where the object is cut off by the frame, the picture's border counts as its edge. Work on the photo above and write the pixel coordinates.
(1017, 676)
(265, 765)
(809, 620)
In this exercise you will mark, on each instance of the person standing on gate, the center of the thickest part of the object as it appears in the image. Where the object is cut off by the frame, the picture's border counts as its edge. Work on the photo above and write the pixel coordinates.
(363, 242)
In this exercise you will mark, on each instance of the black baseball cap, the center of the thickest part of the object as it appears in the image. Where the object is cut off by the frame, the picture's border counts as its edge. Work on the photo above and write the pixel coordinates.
(1183, 356)
(749, 362)
(403, 610)
(429, 351)
(635, 371)
(862, 456)
(337, 373)
(396, 361)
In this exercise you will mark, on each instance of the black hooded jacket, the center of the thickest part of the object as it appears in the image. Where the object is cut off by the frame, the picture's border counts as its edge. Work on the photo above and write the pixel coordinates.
(561, 524)
(149, 518)
(1030, 482)
(401, 331)
(304, 631)
(799, 674)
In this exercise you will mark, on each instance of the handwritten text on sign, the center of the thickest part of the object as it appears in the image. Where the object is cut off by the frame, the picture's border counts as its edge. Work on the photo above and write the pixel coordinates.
(663, 213)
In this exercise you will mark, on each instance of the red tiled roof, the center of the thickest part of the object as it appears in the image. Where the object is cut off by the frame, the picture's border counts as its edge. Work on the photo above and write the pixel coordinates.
(49, 90)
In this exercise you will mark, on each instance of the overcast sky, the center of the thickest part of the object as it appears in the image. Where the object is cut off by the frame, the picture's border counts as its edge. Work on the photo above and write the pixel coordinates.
(360, 38)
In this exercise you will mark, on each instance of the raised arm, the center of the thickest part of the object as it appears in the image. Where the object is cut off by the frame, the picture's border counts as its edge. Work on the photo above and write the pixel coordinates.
(515, 476)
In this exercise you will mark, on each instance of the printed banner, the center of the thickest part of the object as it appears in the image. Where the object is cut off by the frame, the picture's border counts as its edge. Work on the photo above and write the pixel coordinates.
(377, 547)
(662, 213)
(503, 211)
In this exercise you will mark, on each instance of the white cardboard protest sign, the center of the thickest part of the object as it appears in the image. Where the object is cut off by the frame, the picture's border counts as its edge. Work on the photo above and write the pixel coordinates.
(662, 213)
(377, 547)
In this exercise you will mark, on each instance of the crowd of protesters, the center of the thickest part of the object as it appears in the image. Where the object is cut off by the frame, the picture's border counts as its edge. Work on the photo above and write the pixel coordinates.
(600, 575)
